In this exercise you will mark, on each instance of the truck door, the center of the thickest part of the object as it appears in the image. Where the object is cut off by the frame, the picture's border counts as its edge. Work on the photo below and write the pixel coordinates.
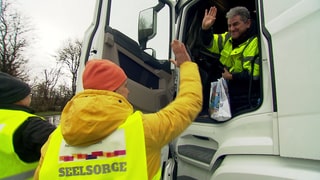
(113, 35)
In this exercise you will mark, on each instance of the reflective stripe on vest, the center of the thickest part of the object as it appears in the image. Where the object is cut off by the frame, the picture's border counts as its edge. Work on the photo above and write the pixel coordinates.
(24, 175)
(12, 167)
(239, 58)
(121, 155)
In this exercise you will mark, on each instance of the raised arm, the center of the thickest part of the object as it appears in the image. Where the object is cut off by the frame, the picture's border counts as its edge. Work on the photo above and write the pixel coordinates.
(165, 125)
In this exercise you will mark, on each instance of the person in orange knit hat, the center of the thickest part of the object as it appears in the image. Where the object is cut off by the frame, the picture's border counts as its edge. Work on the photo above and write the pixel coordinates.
(103, 75)
(101, 136)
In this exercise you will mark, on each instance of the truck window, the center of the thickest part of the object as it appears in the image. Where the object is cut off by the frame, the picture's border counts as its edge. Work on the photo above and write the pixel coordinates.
(125, 19)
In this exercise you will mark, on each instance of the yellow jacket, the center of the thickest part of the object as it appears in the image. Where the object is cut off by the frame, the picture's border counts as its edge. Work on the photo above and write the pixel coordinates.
(92, 115)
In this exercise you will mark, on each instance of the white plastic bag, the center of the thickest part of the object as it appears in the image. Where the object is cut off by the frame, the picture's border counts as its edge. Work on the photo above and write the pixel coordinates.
(219, 106)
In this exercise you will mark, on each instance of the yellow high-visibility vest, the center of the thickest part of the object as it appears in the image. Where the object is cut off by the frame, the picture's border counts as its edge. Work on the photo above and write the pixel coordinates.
(121, 155)
(11, 166)
(237, 59)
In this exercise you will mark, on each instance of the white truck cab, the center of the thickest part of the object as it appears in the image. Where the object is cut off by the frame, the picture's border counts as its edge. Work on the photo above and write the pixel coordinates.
(277, 139)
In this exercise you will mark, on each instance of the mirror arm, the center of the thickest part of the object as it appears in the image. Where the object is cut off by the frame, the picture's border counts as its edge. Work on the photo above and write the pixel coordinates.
(143, 44)
(159, 6)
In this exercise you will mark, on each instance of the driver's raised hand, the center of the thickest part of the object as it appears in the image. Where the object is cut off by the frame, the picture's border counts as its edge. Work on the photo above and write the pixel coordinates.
(209, 18)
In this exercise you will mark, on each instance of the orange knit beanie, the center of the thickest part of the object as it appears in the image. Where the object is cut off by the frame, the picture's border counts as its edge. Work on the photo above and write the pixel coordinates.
(102, 75)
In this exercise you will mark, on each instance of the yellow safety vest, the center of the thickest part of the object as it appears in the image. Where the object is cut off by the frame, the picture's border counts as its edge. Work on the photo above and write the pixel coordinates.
(237, 59)
(11, 166)
(121, 155)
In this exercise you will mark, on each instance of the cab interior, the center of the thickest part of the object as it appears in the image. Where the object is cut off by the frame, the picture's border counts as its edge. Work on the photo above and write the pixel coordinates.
(209, 66)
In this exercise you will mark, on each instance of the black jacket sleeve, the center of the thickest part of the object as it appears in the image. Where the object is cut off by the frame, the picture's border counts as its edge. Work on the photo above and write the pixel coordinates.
(30, 137)
(206, 36)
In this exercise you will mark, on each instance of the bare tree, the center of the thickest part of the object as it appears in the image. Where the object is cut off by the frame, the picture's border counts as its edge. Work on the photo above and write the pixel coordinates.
(69, 55)
(50, 81)
(45, 95)
(13, 31)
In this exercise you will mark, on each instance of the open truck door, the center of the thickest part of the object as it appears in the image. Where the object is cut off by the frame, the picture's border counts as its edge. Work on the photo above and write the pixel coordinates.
(114, 35)
(131, 34)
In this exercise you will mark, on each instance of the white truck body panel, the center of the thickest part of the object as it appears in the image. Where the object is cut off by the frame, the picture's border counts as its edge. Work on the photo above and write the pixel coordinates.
(294, 31)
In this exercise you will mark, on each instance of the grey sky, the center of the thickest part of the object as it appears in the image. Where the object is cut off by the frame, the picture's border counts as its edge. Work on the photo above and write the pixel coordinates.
(54, 21)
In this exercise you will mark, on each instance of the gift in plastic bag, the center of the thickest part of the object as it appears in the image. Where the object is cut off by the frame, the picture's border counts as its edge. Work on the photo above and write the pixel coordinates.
(219, 105)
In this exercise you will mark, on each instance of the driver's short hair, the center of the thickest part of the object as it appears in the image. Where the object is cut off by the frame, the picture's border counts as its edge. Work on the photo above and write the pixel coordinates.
(241, 11)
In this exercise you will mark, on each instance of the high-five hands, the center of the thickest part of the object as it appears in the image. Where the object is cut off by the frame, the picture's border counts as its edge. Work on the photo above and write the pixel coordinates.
(181, 54)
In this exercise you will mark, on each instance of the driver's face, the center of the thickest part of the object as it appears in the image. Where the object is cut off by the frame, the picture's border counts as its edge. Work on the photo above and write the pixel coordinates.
(237, 27)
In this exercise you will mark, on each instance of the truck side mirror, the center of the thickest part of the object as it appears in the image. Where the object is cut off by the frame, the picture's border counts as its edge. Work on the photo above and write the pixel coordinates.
(147, 26)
